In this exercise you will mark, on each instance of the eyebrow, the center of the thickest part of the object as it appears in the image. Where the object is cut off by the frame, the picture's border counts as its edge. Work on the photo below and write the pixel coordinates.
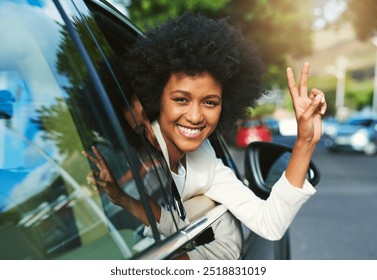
(218, 96)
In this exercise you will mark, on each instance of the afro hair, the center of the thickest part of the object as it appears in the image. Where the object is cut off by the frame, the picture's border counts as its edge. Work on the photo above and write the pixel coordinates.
(193, 44)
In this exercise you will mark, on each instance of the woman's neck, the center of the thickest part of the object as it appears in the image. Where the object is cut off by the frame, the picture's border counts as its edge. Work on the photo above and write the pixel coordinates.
(175, 157)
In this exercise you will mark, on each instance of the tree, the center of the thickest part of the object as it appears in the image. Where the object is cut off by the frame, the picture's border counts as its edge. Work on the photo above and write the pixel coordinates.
(279, 28)
(362, 14)
(145, 13)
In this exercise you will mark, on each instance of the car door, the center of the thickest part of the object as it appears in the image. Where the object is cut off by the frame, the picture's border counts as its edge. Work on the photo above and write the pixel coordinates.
(54, 77)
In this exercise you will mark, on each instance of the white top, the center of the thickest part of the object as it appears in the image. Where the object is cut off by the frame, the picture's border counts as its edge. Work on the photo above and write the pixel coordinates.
(207, 175)
(179, 178)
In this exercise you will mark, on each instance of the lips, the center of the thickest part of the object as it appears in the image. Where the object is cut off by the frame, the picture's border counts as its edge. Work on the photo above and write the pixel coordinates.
(189, 132)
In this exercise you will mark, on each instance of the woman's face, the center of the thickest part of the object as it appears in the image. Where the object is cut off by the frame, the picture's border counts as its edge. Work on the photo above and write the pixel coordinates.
(190, 110)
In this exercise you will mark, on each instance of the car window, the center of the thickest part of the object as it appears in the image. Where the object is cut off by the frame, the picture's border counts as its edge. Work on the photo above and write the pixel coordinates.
(114, 32)
(120, 34)
(55, 109)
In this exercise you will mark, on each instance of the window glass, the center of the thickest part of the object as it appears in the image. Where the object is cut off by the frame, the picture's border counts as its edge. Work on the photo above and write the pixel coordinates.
(51, 112)
(112, 35)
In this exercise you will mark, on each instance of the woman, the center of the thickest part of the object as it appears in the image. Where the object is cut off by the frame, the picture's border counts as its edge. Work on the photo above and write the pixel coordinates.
(194, 75)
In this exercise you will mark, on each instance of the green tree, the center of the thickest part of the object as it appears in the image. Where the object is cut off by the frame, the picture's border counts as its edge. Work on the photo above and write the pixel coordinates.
(279, 28)
(146, 13)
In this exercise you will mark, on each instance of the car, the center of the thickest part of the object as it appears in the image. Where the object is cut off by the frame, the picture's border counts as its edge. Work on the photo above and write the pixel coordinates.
(358, 133)
(273, 124)
(251, 130)
(61, 90)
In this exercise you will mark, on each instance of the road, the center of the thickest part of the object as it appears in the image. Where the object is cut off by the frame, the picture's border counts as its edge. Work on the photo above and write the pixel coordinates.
(339, 222)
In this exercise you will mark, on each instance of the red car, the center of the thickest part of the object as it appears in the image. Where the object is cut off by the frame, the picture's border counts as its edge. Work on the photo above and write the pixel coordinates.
(252, 130)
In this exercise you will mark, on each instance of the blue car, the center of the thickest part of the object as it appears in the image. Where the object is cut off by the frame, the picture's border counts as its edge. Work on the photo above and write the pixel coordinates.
(358, 133)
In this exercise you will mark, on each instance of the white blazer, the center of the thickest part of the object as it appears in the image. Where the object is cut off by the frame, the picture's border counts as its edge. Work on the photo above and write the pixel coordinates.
(207, 175)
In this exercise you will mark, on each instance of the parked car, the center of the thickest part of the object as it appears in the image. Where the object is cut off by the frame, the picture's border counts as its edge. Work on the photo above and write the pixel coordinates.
(61, 90)
(252, 130)
(358, 133)
(273, 125)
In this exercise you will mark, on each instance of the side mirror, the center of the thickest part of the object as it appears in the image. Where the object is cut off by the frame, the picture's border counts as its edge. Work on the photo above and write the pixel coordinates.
(6, 104)
(265, 162)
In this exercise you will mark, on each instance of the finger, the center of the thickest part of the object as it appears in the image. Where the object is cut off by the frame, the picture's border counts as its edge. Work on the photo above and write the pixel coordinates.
(93, 174)
(304, 80)
(98, 183)
(89, 156)
(97, 153)
(91, 179)
(292, 84)
(93, 159)
(95, 181)
(101, 163)
(314, 106)
(323, 105)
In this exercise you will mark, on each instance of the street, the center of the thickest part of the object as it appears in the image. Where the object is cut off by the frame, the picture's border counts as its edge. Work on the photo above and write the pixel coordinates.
(339, 222)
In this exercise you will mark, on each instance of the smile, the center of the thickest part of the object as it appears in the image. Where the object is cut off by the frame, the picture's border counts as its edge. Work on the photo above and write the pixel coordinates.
(189, 132)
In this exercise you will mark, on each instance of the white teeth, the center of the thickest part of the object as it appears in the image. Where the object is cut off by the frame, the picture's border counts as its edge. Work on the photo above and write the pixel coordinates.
(188, 130)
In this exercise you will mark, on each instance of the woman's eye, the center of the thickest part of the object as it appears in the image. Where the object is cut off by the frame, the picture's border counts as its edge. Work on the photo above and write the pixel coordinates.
(180, 100)
(211, 103)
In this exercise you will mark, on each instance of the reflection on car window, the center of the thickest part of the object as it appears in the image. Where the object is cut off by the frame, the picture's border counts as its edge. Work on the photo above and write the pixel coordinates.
(47, 208)
(158, 182)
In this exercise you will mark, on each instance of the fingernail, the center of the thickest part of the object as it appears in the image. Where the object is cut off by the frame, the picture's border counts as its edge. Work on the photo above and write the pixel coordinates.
(323, 99)
(319, 98)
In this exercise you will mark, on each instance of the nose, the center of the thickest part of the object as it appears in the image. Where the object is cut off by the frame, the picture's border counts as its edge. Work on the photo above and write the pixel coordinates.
(194, 114)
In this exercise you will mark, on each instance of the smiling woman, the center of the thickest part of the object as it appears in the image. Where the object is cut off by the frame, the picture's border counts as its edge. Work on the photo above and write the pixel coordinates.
(194, 75)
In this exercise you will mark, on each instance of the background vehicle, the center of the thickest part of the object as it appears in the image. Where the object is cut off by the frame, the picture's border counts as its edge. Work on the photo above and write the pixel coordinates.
(65, 93)
(272, 124)
(358, 133)
(252, 130)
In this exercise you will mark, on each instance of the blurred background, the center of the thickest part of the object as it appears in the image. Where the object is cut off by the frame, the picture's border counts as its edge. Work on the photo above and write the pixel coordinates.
(339, 39)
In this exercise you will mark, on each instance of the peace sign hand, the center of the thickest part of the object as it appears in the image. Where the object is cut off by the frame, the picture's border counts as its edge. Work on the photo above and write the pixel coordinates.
(308, 109)
(103, 176)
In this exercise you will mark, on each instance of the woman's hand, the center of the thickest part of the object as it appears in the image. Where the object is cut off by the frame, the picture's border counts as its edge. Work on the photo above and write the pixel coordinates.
(309, 109)
(103, 177)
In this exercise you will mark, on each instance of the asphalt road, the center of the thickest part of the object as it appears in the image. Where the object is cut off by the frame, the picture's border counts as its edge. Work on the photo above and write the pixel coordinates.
(339, 222)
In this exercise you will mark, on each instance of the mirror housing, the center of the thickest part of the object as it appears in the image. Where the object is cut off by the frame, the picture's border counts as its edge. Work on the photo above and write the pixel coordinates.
(265, 162)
